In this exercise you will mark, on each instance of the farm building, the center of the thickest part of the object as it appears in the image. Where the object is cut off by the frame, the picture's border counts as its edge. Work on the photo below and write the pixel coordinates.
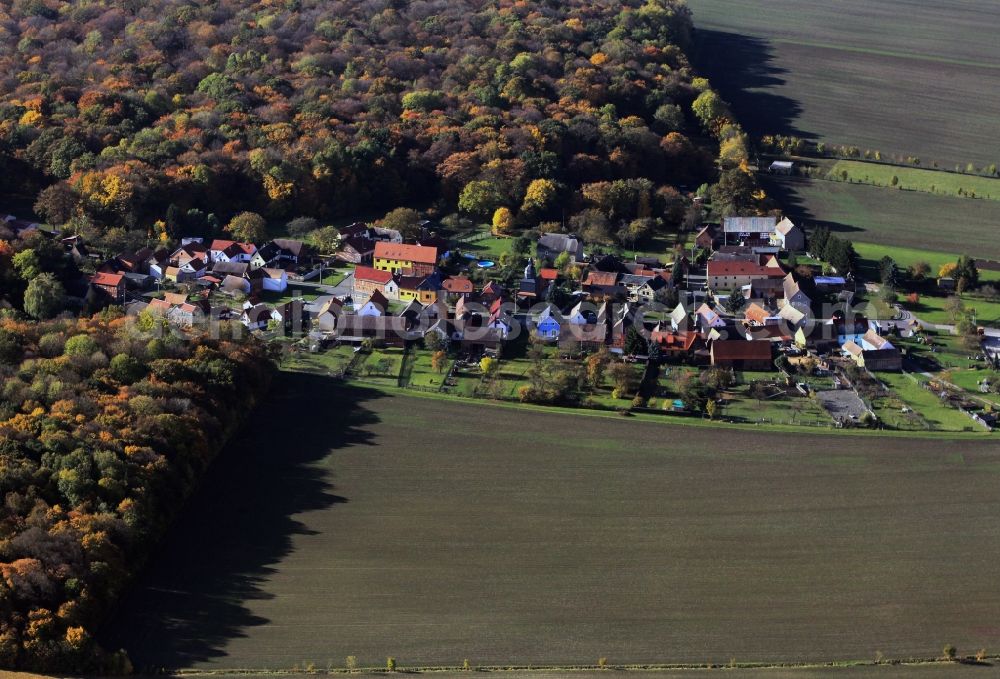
(741, 354)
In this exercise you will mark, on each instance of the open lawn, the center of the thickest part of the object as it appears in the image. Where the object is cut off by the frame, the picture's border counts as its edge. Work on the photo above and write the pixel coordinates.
(422, 374)
(434, 530)
(932, 309)
(940, 415)
(331, 361)
(908, 219)
(906, 77)
(915, 179)
(870, 255)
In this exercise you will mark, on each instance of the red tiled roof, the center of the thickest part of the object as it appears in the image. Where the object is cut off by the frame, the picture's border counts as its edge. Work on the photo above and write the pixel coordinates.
(367, 273)
(102, 278)
(723, 268)
(757, 314)
(458, 284)
(406, 253)
(601, 278)
(222, 245)
(683, 341)
(549, 274)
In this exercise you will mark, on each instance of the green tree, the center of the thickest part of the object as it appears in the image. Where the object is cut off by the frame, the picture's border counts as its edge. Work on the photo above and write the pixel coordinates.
(248, 227)
(79, 346)
(325, 240)
(735, 302)
(27, 264)
(635, 344)
(709, 108)
(480, 198)
(402, 219)
(45, 296)
(423, 100)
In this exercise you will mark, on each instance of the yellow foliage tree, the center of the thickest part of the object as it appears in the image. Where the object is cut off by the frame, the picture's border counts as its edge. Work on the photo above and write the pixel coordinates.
(947, 270)
(277, 189)
(32, 118)
(539, 196)
(503, 221)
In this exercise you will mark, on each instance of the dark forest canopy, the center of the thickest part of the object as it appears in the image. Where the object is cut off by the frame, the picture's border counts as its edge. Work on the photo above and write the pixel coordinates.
(329, 108)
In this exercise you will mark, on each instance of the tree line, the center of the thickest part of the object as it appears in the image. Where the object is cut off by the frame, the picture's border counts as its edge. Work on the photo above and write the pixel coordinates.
(106, 424)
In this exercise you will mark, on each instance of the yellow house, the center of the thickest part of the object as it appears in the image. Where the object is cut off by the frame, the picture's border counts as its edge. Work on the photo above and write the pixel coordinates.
(409, 260)
(424, 290)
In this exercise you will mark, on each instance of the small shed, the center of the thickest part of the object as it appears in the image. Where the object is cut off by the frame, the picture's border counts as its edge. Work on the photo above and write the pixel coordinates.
(782, 167)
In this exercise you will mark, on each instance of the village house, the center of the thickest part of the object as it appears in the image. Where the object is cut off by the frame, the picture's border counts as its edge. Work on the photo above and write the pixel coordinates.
(457, 286)
(368, 280)
(757, 315)
(547, 323)
(233, 285)
(793, 316)
(888, 359)
(679, 319)
(788, 236)
(730, 275)
(328, 314)
(748, 231)
(603, 284)
(111, 285)
(408, 260)
(551, 245)
(224, 268)
(646, 292)
(708, 318)
(231, 251)
(741, 354)
(424, 289)
(377, 305)
(187, 314)
(792, 294)
(356, 250)
(706, 238)
(676, 346)
(189, 251)
(588, 337)
(356, 328)
(274, 280)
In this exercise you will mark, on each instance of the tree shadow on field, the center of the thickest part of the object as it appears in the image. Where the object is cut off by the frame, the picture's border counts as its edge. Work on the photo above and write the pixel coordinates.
(785, 190)
(236, 528)
(743, 71)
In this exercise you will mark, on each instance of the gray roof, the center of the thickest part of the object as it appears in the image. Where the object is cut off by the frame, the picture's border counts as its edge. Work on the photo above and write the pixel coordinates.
(749, 224)
(557, 242)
